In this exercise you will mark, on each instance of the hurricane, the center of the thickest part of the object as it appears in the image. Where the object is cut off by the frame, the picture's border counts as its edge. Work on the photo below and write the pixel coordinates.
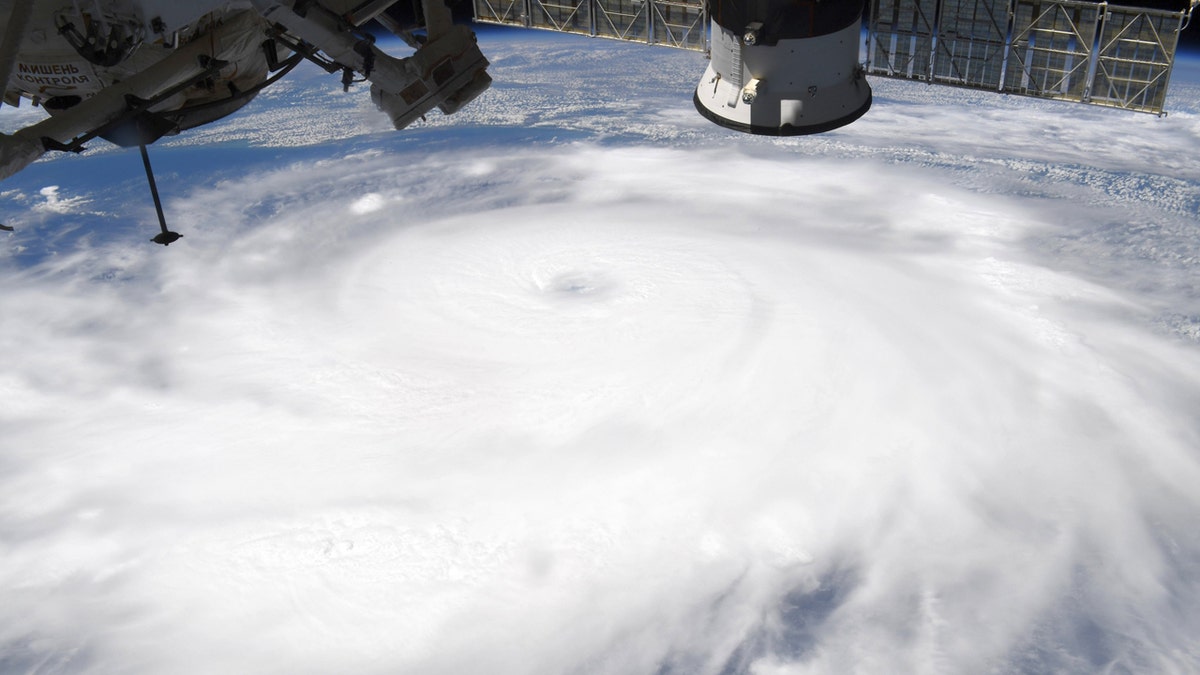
(564, 402)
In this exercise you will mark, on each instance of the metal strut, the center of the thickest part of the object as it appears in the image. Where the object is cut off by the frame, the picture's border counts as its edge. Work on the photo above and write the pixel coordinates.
(166, 237)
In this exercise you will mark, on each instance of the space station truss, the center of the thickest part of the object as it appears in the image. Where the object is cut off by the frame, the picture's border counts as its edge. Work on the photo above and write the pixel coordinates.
(1062, 49)
(673, 23)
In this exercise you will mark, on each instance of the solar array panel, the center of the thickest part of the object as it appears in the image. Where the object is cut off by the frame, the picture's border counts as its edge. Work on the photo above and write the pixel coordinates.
(510, 12)
(570, 16)
(971, 43)
(1090, 52)
(902, 37)
(622, 19)
(1051, 49)
(679, 23)
(673, 23)
(1133, 67)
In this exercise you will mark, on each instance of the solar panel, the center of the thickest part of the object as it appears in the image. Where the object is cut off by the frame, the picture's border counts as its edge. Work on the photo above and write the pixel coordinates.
(509, 12)
(971, 43)
(568, 16)
(1133, 66)
(902, 38)
(1074, 50)
(1050, 53)
(622, 19)
(673, 23)
(679, 23)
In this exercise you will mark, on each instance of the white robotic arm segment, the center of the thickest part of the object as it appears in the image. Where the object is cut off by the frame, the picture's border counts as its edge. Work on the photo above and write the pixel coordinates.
(445, 72)
(449, 72)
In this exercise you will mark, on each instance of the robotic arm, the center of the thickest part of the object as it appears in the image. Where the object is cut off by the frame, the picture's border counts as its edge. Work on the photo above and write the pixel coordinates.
(447, 70)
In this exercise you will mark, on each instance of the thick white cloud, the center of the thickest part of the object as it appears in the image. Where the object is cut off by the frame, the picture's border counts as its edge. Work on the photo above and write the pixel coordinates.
(612, 407)
(53, 203)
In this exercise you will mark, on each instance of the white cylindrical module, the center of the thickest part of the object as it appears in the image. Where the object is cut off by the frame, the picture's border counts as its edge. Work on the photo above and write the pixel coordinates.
(790, 74)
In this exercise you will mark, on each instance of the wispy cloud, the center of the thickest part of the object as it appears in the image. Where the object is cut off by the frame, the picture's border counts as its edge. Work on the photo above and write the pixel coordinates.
(53, 203)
